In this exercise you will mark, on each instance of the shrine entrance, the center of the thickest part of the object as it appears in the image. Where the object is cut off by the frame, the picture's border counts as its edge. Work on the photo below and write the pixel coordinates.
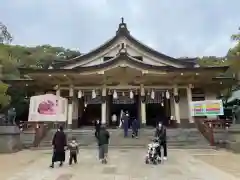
(157, 108)
(123, 102)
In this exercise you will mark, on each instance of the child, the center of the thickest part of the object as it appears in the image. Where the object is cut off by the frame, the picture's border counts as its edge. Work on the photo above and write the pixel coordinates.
(73, 148)
(135, 128)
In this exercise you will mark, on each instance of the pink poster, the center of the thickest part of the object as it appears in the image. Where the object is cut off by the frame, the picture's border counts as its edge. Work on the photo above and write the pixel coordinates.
(48, 107)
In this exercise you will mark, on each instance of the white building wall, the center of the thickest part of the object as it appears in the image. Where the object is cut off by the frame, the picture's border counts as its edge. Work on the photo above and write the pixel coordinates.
(183, 104)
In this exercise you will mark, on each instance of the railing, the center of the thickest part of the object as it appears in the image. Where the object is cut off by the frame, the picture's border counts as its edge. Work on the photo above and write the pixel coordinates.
(206, 130)
(40, 132)
(207, 127)
(218, 123)
(28, 126)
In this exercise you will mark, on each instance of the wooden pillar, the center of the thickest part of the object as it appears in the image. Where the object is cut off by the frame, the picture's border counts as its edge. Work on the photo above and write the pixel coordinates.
(70, 107)
(189, 100)
(143, 106)
(104, 107)
(176, 106)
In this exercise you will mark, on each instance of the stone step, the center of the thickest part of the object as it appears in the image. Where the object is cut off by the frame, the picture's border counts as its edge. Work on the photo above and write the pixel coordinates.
(177, 138)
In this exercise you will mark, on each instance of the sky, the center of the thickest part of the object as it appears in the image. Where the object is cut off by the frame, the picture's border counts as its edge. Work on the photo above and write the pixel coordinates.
(178, 28)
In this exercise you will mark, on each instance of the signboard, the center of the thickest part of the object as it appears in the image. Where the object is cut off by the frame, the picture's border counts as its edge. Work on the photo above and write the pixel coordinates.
(47, 107)
(207, 108)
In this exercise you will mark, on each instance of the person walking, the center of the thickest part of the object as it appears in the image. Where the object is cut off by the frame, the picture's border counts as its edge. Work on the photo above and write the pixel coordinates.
(103, 141)
(73, 151)
(97, 124)
(135, 126)
(161, 134)
(125, 123)
(59, 143)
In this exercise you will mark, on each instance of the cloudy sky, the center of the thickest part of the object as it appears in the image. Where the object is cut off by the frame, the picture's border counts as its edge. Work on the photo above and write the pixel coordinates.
(174, 27)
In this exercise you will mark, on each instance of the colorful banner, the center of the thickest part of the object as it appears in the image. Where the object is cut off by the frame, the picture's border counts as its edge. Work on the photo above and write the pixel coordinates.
(207, 108)
(47, 107)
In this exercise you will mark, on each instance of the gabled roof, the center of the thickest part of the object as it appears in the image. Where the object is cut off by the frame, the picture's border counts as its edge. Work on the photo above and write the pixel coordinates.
(123, 58)
(124, 32)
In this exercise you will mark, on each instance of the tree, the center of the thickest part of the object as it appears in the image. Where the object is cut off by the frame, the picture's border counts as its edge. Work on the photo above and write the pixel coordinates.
(4, 98)
(5, 36)
(207, 61)
(236, 37)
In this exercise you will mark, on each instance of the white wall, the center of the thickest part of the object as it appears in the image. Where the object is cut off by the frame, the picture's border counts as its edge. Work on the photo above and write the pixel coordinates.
(183, 104)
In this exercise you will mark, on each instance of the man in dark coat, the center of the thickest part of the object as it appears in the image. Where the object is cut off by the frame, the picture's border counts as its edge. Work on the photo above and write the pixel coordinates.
(59, 143)
(125, 123)
(135, 126)
(97, 125)
(103, 141)
(161, 134)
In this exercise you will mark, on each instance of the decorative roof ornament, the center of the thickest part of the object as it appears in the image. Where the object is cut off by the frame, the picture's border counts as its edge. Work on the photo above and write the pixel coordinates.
(122, 27)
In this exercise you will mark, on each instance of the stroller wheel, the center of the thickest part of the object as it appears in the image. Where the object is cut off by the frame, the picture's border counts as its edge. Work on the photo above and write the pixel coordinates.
(155, 162)
(146, 161)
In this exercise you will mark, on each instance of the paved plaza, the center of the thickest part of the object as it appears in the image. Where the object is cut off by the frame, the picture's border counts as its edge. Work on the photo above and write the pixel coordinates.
(123, 165)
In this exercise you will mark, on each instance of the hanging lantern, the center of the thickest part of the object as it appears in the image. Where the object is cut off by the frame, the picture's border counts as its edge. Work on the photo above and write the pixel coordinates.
(152, 94)
(167, 94)
(80, 94)
(85, 105)
(94, 95)
(162, 104)
(115, 96)
(131, 94)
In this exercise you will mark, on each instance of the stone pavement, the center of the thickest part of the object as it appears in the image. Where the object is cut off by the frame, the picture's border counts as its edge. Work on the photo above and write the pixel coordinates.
(123, 164)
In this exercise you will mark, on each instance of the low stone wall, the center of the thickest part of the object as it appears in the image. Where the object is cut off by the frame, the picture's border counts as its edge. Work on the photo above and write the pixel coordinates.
(10, 139)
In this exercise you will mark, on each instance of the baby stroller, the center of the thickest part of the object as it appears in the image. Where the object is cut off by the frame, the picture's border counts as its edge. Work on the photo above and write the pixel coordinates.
(152, 155)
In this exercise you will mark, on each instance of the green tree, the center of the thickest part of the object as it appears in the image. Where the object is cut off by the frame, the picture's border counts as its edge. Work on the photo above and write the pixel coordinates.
(208, 61)
(5, 36)
(4, 98)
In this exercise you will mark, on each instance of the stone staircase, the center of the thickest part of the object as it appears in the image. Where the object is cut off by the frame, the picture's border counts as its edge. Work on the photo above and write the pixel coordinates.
(177, 138)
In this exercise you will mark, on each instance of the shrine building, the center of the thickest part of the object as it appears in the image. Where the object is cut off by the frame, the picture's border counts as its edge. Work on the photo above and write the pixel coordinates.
(125, 74)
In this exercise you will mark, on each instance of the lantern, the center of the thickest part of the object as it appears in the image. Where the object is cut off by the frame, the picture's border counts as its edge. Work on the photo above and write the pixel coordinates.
(80, 94)
(94, 95)
(152, 94)
(167, 94)
(115, 96)
(131, 94)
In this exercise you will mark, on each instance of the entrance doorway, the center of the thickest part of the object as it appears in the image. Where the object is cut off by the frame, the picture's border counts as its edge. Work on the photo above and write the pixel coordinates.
(117, 106)
(154, 113)
(91, 112)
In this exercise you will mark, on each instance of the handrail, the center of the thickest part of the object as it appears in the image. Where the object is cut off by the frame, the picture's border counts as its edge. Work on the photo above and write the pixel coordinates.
(218, 123)
(206, 131)
(41, 131)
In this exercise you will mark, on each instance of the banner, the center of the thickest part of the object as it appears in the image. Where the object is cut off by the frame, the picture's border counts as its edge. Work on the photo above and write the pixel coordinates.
(47, 107)
(207, 108)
